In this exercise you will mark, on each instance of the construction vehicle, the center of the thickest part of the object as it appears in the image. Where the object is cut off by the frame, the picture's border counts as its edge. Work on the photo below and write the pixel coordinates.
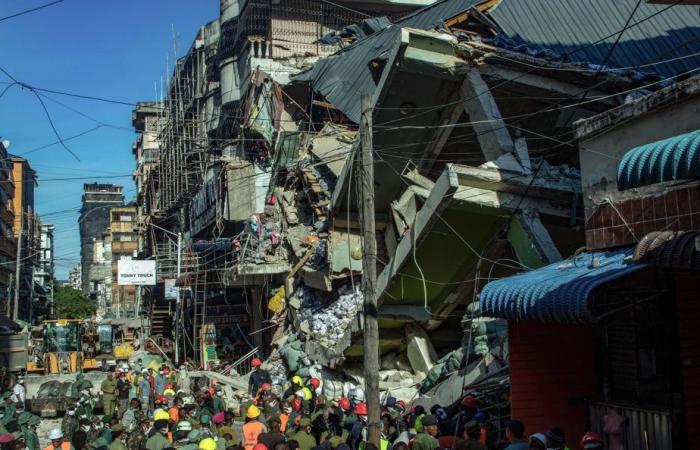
(59, 350)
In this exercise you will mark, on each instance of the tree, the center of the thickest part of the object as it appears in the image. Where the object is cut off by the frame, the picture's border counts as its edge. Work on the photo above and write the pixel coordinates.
(70, 303)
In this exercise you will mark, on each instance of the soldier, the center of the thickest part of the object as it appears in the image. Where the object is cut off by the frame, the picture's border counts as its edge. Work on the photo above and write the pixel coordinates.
(79, 385)
(117, 437)
(69, 424)
(31, 437)
(137, 438)
(32, 442)
(8, 408)
(109, 394)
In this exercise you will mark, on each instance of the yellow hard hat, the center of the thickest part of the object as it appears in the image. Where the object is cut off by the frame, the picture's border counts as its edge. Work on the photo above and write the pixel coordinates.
(169, 392)
(253, 412)
(296, 379)
(307, 393)
(160, 414)
(207, 444)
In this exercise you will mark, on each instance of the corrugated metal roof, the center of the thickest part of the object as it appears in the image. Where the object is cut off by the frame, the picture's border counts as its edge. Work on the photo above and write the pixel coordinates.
(675, 158)
(670, 249)
(567, 25)
(558, 293)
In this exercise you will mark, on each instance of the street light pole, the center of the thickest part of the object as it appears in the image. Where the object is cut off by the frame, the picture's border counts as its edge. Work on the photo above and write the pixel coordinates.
(177, 299)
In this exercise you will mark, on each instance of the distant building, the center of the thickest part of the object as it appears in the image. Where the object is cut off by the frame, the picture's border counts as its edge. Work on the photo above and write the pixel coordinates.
(124, 244)
(75, 278)
(26, 223)
(8, 245)
(44, 272)
(94, 222)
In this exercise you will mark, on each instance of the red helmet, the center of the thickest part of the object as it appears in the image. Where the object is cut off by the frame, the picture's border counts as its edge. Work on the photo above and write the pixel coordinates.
(265, 387)
(344, 403)
(591, 440)
(469, 401)
(296, 404)
(361, 409)
(401, 404)
(162, 399)
(256, 362)
(315, 383)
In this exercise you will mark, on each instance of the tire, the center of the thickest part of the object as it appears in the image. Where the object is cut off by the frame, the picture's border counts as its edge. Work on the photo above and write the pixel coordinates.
(8, 381)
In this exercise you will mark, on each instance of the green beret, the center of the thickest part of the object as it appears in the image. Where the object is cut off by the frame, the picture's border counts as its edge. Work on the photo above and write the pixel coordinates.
(304, 422)
(24, 418)
(117, 428)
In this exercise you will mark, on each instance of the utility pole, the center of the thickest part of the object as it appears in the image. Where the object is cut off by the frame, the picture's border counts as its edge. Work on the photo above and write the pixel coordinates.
(369, 275)
(18, 265)
(177, 300)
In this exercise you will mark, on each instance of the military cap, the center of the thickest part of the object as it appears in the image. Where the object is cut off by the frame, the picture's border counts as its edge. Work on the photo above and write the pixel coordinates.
(117, 428)
(304, 422)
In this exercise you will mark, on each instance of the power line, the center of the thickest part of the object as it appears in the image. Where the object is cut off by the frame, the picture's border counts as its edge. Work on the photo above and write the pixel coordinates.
(30, 10)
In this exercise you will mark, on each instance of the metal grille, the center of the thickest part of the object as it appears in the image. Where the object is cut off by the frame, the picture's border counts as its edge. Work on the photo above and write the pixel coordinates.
(650, 429)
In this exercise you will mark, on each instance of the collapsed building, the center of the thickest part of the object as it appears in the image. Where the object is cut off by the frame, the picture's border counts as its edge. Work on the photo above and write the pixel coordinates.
(477, 177)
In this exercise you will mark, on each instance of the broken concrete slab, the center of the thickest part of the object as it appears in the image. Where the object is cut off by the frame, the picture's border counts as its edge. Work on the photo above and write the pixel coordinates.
(419, 349)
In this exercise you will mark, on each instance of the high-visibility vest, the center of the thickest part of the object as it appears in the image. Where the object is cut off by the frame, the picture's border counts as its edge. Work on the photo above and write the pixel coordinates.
(251, 431)
(284, 418)
(65, 445)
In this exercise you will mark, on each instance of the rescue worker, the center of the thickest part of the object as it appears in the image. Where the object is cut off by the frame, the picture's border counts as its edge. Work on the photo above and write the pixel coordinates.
(117, 437)
(303, 436)
(193, 438)
(109, 394)
(144, 390)
(425, 440)
(19, 393)
(8, 408)
(79, 385)
(123, 388)
(472, 435)
(30, 436)
(252, 428)
(57, 442)
(69, 424)
(158, 441)
(258, 377)
(274, 436)
(137, 438)
(159, 383)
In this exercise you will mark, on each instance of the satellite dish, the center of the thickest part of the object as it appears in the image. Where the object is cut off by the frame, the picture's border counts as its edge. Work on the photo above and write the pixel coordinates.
(6, 144)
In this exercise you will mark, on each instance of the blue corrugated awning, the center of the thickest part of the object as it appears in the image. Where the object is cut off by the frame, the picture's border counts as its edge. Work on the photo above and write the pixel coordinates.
(558, 293)
(674, 158)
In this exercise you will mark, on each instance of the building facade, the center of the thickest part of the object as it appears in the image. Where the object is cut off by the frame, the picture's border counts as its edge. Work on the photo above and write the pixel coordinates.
(27, 230)
(124, 246)
(44, 273)
(94, 222)
(8, 244)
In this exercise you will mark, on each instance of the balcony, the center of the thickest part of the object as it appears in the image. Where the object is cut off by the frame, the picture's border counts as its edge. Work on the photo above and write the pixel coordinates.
(125, 247)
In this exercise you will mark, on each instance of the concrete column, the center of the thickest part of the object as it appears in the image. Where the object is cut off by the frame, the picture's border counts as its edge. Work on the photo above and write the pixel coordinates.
(256, 315)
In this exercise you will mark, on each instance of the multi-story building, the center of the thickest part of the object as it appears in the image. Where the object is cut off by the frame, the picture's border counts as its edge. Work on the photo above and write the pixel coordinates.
(8, 249)
(27, 230)
(74, 278)
(94, 222)
(124, 245)
(44, 272)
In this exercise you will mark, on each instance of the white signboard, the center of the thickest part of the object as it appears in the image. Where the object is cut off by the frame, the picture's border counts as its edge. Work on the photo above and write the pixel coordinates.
(171, 291)
(136, 273)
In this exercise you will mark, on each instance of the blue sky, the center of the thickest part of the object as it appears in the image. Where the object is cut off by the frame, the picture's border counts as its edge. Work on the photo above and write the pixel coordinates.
(115, 49)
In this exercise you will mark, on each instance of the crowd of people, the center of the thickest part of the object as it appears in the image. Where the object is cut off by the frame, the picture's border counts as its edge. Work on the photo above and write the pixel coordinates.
(159, 409)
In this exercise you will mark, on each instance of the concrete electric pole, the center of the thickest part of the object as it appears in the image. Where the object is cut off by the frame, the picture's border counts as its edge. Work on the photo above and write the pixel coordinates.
(369, 275)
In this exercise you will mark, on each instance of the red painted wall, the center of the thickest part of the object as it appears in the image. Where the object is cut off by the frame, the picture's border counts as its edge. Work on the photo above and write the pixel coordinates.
(549, 364)
(688, 307)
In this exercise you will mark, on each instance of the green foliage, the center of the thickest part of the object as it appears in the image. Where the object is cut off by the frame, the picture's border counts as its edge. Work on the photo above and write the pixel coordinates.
(70, 303)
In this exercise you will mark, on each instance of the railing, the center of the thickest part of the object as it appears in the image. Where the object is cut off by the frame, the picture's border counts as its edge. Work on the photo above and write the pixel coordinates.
(646, 429)
(243, 365)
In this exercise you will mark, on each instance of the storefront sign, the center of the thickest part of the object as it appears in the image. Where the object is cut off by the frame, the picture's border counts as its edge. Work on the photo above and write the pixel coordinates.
(136, 273)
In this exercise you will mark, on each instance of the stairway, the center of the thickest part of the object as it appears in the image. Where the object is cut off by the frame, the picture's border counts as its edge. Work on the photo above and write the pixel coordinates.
(161, 319)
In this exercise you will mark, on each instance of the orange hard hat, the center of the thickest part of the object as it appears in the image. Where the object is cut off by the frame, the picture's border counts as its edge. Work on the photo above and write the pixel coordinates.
(344, 403)
(361, 409)
(315, 383)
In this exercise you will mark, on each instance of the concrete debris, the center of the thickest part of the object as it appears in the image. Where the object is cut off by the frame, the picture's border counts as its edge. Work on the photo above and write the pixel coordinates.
(327, 323)
(419, 349)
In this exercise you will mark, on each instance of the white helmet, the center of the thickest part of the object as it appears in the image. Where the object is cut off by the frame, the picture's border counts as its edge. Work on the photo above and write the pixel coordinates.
(300, 394)
(55, 433)
(125, 367)
(357, 395)
(184, 426)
